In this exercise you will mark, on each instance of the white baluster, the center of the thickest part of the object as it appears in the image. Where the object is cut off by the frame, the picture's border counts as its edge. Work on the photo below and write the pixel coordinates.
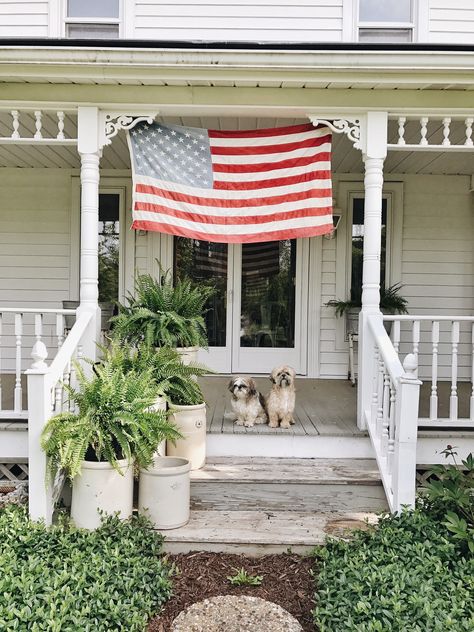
(60, 329)
(375, 381)
(423, 130)
(66, 380)
(472, 376)
(385, 411)
(16, 123)
(391, 428)
(18, 389)
(38, 124)
(434, 370)
(1, 319)
(38, 327)
(416, 341)
(453, 400)
(468, 122)
(446, 131)
(58, 397)
(60, 135)
(401, 130)
(396, 335)
(381, 371)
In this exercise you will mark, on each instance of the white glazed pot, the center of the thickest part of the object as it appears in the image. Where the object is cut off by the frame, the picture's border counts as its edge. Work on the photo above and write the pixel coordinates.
(188, 354)
(160, 404)
(191, 422)
(164, 492)
(101, 487)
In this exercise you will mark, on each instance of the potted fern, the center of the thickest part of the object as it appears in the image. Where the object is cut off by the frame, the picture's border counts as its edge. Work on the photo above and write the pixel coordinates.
(391, 302)
(161, 314)
(108, 428)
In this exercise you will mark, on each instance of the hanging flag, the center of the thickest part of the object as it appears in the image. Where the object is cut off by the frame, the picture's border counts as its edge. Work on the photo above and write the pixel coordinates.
(232, 187)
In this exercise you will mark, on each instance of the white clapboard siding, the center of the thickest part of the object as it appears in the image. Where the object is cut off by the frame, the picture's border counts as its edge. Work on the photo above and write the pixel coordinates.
(451, 22)
(240, 20)
(437, 273)
(24, 18)
(35, 251)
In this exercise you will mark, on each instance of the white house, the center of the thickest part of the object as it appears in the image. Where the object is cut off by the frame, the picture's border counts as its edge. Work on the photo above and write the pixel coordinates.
(393, 80)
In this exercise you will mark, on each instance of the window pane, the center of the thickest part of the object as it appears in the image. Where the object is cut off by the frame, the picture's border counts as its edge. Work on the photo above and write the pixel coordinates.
(92, 31)
(109, 241)
(93, 8)
(358, 246)
(385, 35)
(385, 11)
(206, 262)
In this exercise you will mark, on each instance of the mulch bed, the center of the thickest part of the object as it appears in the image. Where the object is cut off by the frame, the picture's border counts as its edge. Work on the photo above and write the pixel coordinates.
(287, 581)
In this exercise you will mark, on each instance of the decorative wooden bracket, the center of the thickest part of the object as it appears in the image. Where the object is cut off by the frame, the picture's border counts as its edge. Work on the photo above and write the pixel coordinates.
(112, 122)
(350, 126)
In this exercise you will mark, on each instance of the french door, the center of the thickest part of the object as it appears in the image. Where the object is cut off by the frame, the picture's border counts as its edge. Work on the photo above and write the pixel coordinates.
(257, 318)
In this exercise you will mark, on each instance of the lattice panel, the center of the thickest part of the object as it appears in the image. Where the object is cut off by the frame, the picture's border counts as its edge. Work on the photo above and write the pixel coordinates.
(11, 474)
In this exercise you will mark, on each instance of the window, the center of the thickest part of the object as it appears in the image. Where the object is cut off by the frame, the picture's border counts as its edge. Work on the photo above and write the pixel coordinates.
(389, 21)
(357, 242)
(89, 19)
(109, 247)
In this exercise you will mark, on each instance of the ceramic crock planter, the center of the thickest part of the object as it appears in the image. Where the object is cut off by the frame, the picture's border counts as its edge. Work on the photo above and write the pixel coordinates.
(160, 404)
(98, 488)
(191, 423)
(164, 492)
(188, 354)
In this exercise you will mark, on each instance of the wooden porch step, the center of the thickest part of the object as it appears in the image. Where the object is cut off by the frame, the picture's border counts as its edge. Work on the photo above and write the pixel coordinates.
(260, 532)
(285, 484)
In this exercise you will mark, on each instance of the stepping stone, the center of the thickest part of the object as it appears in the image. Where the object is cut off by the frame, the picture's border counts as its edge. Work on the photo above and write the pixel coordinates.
(235, 614)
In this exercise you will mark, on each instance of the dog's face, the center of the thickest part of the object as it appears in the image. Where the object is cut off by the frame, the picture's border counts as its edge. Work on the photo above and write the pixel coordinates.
(283, 376)
(243, 387)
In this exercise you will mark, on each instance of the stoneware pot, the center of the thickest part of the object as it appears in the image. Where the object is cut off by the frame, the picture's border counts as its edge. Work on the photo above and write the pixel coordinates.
(160, 404)
(101, 487)
(188, 354)
(191, 422)
(164, 492)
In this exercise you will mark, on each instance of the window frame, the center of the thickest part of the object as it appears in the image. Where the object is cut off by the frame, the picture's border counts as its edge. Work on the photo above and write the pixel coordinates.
(93, 21)
(395, 26)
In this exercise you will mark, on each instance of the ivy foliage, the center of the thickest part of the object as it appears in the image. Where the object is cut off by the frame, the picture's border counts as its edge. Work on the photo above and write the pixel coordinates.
(63, 579)
(408, 574)
(161, 314)
(114, 420)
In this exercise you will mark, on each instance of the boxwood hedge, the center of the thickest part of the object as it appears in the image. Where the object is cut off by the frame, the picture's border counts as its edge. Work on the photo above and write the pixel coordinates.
(67, 580)
(406, 575)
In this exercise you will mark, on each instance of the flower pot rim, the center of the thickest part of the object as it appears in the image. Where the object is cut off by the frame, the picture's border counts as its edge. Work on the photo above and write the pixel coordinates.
(163, 466)
(105, 465)
(181, 407)
(186, 349)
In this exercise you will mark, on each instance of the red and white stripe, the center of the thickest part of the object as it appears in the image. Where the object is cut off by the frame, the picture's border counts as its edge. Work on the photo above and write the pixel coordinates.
(269, 185)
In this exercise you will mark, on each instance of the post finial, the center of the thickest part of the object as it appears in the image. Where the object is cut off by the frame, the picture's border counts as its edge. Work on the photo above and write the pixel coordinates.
(39, 354)
(410, 365)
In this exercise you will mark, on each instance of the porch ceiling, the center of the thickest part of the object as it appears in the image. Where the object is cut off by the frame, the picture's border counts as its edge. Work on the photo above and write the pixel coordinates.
(345, 158)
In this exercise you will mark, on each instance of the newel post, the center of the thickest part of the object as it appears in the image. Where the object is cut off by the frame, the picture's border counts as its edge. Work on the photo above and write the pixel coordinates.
(40, 499)
(90, 152)
(406, 432)
(374, 149)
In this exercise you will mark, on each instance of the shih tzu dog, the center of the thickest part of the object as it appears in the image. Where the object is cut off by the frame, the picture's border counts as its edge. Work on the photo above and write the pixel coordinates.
(247, 403)
(280, 403)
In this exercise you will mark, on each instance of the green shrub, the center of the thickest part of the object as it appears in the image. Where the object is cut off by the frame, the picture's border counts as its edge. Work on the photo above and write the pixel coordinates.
(406, 575)
(67, 580)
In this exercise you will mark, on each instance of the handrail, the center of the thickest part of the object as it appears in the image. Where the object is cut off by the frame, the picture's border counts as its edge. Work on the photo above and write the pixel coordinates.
(66, 352)
(389, 355)
(32, 310)
(411, 317)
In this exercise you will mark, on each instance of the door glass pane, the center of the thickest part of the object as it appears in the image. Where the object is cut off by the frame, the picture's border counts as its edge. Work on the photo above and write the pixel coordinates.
(268, 294)
(385, 11)
(93, 9)
(109, 241)
(206, 262)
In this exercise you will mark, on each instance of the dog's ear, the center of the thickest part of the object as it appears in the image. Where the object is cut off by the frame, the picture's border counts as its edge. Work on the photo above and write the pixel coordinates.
(272, 379)
(252, 387)
(231, 385)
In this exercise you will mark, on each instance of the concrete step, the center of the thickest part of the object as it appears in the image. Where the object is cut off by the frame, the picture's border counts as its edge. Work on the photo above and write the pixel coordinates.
(296, 485)
(261, 532)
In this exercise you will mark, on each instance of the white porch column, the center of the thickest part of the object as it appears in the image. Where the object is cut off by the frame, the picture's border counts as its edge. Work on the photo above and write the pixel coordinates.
(374, 152)
(89, 150)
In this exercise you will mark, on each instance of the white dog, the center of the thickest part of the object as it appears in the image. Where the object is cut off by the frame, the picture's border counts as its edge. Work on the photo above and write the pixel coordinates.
(247, 403)
(280, 402)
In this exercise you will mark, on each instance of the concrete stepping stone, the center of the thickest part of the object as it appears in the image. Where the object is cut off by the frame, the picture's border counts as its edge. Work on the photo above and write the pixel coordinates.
(235, 614)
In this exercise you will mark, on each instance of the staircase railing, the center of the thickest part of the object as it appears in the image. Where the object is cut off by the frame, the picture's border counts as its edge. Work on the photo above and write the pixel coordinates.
(47, 397)
(392, 418)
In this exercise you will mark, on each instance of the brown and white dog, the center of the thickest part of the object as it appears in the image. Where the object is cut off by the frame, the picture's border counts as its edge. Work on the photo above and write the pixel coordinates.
(247, 403)
(280, 403)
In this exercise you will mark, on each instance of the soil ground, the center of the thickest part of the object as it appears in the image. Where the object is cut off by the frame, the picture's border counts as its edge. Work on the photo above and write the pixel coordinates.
(287, 581)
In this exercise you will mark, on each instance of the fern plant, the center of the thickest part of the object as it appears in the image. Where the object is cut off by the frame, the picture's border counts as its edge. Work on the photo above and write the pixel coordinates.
(175, 381)
(113, 420)
(162, 314)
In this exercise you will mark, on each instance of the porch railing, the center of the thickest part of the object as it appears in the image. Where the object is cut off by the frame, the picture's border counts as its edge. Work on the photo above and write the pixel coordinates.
(20, 329)
(443, 347)
(392, 416)
(47, 397)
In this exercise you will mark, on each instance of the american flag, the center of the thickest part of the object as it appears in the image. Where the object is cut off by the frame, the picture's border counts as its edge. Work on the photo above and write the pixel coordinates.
(232, 187)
